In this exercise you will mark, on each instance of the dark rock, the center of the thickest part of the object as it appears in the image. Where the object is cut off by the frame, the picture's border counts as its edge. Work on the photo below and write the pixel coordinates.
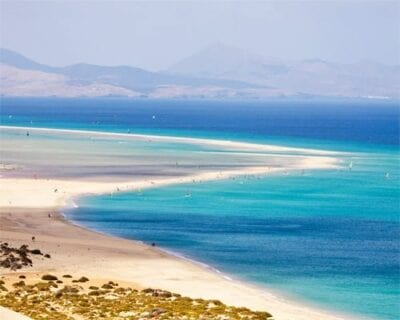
(83, 279)
(148, 290)
(49, 277)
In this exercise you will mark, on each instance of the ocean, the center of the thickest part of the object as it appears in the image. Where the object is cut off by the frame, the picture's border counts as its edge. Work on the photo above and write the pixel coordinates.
(329, 238)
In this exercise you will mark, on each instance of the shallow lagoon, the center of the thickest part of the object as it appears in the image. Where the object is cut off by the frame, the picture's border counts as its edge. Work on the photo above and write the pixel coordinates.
(327, 237)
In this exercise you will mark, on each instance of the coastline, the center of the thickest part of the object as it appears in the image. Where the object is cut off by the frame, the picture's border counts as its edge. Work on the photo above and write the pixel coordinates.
(201, 141)
(127, 261)
(102, 257)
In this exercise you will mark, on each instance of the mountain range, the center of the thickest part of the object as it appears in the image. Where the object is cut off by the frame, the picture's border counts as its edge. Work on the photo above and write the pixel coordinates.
(218, 71)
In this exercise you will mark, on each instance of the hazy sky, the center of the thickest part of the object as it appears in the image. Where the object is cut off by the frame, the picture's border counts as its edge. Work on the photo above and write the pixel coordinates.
(154, 35)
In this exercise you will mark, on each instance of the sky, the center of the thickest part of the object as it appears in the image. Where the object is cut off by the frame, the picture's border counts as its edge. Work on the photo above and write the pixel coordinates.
(154, 35)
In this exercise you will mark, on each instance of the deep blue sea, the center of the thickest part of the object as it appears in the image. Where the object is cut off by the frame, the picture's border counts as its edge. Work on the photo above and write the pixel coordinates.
(330, 238)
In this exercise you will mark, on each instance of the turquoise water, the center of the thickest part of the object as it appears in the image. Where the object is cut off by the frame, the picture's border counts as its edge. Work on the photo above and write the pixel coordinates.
(329, 238)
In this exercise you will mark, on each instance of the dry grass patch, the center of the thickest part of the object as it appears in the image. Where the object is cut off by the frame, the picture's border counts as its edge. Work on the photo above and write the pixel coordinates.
(48, 300)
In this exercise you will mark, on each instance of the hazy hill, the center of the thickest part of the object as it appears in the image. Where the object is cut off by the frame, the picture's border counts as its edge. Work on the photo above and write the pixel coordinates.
(17, 60)
(218, 71)
(21, 76)
(315, 77)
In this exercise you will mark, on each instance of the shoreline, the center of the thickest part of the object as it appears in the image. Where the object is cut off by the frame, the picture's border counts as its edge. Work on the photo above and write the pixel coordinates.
(161, 138)
(275, 294)
(230, 289)
(178, 274)
(264, 289)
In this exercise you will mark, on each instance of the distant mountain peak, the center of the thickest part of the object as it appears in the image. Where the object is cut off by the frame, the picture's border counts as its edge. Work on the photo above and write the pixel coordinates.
(18, 60)
(220, 60)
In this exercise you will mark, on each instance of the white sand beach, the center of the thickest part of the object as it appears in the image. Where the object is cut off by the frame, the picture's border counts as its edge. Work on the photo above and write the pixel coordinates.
(32, 206)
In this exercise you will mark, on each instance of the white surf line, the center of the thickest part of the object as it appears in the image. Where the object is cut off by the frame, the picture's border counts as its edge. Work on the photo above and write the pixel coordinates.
(198, 141)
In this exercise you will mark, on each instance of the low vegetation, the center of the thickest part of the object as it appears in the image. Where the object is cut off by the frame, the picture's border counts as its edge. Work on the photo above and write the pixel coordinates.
(48, 299)
(17, 258)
